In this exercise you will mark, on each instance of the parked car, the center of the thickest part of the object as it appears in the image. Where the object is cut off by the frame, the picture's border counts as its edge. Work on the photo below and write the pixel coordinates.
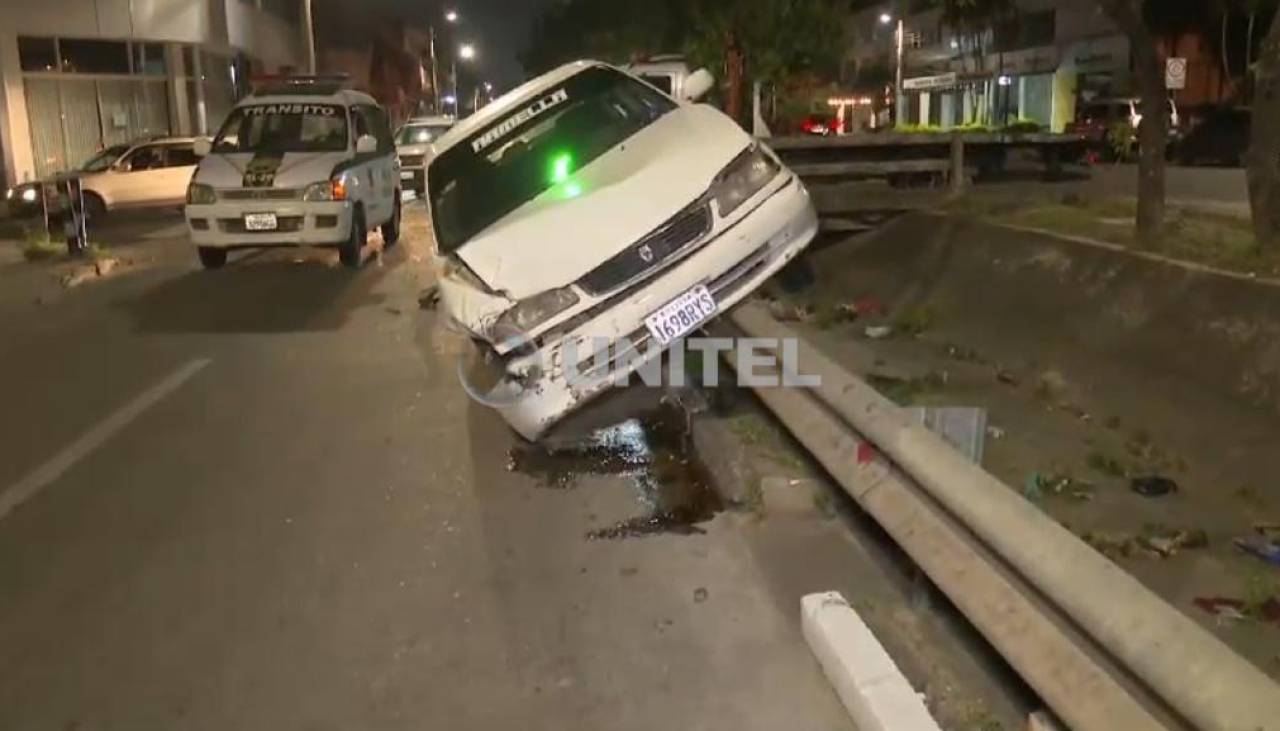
(300, 162)
(413, 144)
(1222, 138)
(150, 173)
(584, 207)
(1096, 123)
(665, 72)
(821, 125)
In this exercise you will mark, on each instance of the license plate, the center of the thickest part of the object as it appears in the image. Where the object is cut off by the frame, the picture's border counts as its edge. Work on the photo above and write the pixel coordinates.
(406, 175)
(682, 315)
(260, 222)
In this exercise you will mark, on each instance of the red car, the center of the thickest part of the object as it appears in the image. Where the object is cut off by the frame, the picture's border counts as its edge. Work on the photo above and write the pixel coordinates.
(821, 125)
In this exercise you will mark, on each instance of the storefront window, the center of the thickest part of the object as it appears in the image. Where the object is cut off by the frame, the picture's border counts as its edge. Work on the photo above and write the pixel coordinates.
(38, 54)
(148, 59)
(94, 57)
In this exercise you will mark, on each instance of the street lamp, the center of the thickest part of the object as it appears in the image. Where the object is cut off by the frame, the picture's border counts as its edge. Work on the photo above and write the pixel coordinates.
(899, 39)
(451, 16)
(466, 52)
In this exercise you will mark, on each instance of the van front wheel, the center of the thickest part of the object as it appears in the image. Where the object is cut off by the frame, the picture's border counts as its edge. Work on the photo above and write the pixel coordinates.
(349, 253)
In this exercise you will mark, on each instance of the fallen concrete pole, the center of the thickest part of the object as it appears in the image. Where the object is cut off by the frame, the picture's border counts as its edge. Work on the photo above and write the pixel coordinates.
(1047, 654)
(1187, 668)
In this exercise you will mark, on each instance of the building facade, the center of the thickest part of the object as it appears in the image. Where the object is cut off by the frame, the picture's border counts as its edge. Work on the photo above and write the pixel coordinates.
(78, 75)
(1037, 66)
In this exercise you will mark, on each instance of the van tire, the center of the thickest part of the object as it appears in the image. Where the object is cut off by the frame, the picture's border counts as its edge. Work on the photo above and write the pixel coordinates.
(212, 258)
(349, 253)
(391, 229)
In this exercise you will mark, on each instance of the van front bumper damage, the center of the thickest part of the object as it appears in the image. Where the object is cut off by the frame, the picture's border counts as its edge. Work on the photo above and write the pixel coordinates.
(732, 264)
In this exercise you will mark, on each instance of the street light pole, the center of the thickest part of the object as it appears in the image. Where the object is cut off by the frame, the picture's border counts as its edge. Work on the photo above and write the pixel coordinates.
(898, 97)
(435, 78)
(309, 27)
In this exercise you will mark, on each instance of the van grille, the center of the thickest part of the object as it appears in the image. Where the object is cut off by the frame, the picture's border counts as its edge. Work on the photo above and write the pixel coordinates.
(259, 194)
(651, 252)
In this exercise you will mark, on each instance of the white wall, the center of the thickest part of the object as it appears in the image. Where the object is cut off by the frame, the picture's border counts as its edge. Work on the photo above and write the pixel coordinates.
(264, 36)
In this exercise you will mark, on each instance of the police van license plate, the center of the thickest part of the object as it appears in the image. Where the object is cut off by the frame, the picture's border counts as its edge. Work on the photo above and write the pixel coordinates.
(681, 315)
(260, 222)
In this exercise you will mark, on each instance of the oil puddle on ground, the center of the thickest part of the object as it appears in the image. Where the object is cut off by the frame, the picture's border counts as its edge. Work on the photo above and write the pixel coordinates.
(653, 451)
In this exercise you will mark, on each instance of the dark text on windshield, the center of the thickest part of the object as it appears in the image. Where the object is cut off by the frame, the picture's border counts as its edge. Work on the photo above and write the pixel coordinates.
(538, 146)
(279, 128)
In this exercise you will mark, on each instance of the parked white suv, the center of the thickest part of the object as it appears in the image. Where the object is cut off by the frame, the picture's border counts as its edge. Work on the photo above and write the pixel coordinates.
(301, 162)
(587, 207)
(413, 146)
(151, 173)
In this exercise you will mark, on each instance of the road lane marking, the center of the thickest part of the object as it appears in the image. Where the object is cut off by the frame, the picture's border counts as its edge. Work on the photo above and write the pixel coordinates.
(40, 478)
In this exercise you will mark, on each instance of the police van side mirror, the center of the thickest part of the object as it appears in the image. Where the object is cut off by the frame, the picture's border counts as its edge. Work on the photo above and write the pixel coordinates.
(202, 146)
(366, 145)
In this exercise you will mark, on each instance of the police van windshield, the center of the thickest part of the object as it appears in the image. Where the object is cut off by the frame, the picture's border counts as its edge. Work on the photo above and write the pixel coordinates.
(283, 128)
(539, 146)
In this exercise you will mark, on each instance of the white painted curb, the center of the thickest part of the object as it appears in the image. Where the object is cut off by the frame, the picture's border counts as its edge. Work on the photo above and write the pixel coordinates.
(873, 690)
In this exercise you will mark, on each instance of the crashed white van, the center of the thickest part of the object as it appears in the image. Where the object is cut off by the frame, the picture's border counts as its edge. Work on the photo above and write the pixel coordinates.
(587, 206)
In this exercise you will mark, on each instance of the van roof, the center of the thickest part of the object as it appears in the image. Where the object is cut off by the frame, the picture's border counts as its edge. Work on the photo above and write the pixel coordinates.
(346, 97)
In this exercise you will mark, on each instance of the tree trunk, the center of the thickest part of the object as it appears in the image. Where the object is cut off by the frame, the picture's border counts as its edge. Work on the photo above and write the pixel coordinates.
(1264, 148)
(1153, 133)
(734, 72)
(1226, 60)
(1249, 80)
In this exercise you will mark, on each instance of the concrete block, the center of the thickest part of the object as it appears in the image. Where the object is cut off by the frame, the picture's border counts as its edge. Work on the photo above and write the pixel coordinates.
(1044, 721)
(873, 690)
(788, 496)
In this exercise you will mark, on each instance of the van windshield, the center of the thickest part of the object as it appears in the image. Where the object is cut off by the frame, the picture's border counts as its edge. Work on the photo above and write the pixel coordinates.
(539, 145)
(283, 128)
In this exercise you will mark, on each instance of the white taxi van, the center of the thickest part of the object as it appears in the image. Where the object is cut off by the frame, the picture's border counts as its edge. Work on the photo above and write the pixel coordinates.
(303, 161)
(588, 206)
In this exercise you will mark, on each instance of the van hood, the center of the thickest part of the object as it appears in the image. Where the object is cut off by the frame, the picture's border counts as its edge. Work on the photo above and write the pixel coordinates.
(290, 170)
(627, 193)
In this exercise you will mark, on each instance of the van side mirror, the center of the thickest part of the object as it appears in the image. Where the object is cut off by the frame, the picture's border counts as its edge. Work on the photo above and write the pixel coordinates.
(697, 85)
(366, 145)
(202, 146)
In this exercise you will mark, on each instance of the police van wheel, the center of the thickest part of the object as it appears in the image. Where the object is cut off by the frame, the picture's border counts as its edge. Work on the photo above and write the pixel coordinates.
(391, 229)
(349, 253)
(212, 258)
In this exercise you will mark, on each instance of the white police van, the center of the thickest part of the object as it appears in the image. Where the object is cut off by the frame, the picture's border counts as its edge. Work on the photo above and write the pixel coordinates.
(303, 161)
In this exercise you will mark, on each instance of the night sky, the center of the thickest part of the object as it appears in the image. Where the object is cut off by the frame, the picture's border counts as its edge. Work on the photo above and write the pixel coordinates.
(498, 28)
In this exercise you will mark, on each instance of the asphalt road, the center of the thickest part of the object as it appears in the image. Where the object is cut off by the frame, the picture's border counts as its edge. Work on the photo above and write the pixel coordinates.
(257, 499)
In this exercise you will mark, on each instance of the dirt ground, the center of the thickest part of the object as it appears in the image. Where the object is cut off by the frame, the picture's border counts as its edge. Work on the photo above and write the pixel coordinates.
(1096, 370)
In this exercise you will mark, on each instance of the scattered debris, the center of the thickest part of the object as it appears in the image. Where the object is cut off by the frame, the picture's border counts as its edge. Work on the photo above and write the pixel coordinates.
(1162, 542)
(1153, 486)
(430, 297)
(964, 354)
(845, 312)
(915, 320)
(1224, 610)
(1059, 485)
(700, 595)
(869, 306)
(1107, 465)
(1006, 377)
(1051, 386)
(963, 427)
(393, 310)
(1227, 609)
(878, 332)
(995, 432)
(1111, 545)
(1260, 545)
(791, 313)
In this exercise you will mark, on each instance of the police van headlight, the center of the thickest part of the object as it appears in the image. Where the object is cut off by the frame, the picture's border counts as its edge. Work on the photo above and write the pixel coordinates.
(533, 311)
(199, 194)
(326, 190)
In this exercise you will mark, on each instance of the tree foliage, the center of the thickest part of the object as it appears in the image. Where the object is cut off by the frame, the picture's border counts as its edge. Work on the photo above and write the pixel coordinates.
(776, 37)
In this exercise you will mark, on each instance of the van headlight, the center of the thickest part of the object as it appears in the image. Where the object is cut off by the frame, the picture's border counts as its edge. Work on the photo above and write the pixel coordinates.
(533, 311)
(199, 194)
(743, 178)
(326, 190)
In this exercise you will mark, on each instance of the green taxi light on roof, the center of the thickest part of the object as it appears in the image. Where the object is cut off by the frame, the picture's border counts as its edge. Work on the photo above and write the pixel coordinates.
(561, 166)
